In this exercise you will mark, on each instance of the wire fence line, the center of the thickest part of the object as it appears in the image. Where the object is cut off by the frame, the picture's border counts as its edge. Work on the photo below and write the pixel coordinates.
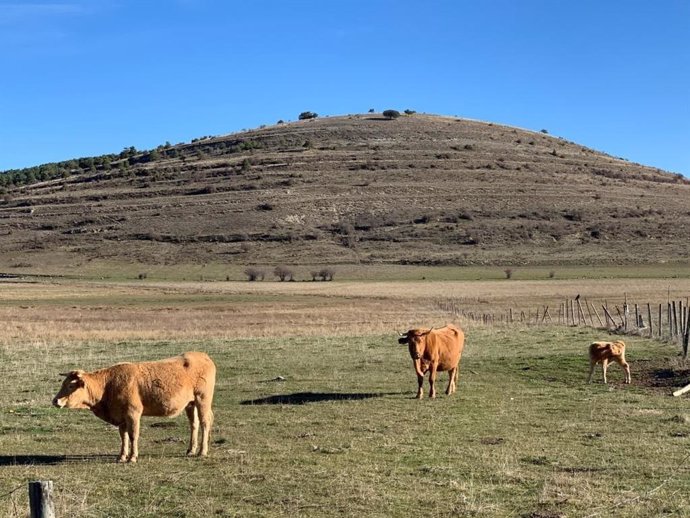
(668, 322)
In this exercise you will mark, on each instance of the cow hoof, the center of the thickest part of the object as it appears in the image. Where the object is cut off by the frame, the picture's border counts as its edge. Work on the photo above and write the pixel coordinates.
(133, 460)
(191, 453)
(122, 460)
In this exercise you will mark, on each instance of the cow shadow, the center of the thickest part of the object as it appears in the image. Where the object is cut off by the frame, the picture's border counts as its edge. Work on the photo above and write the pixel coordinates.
(302, 398)
(51, 460)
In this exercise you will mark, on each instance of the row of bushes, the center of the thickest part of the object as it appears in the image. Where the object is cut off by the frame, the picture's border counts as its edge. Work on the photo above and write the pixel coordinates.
(285, 273)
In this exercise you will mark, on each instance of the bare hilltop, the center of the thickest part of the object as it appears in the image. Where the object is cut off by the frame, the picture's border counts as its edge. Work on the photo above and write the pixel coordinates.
(415, 189)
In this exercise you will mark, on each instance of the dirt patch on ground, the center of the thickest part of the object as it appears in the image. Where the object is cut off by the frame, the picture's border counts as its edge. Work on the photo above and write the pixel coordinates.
(663, 375)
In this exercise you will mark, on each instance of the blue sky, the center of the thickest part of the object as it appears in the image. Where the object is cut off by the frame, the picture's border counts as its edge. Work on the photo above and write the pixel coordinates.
(88, 77)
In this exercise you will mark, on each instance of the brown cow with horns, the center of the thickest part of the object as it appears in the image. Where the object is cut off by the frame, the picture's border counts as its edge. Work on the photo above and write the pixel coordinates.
(121, 394)
(435, 350)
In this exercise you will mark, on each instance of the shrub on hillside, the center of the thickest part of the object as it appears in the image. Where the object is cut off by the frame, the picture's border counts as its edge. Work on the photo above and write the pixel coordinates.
(307, 115)
(391, 114)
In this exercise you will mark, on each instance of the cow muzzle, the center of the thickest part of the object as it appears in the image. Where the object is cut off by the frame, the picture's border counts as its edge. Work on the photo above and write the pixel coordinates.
(58, 403)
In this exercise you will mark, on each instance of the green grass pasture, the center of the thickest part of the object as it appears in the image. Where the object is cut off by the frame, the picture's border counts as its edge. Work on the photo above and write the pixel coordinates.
(341, 435)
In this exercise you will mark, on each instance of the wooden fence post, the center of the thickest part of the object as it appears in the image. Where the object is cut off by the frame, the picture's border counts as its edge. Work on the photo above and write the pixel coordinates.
(589, 311)
(649, 319)
(608, 316)
(686, 337)
(597, 315)
(41, 499)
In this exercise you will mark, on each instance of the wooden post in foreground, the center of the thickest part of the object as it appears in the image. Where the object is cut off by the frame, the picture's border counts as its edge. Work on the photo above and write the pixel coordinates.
(41, 499)
(682, 391)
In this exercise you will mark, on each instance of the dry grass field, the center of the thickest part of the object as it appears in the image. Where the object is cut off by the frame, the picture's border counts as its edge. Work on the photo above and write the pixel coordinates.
(314, 408)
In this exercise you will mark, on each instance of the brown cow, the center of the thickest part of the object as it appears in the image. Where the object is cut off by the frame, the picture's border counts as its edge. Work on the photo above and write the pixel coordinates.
(435, 350)
(121, 394)
(605, 352)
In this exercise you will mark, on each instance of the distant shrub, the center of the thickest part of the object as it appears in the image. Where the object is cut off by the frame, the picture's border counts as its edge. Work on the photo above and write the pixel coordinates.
(552, 274)
(264, 206)
(254, 274)
(281, 121)
(143, 275)
(509, 273)
(283, 273)
(409, 112)
(371, 110)
(544, 131)
(391, 114)
(314, 275)
(327, 274)
(307, 115)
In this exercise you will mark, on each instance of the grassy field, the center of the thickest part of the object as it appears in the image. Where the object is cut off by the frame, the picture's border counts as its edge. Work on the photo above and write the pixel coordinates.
(341, 434)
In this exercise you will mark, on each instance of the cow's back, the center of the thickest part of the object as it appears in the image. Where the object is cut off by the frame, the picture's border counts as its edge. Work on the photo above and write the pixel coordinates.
(606, 350)
(449, 342)
(165, 387)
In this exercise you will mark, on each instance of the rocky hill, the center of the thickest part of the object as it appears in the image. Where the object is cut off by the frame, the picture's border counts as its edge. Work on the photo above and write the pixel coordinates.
(418, 189)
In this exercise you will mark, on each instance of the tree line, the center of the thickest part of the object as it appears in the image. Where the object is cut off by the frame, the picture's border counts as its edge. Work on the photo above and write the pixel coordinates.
(285, 273)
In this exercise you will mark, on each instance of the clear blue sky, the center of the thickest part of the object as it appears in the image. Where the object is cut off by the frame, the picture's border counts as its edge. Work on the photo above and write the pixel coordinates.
(88, 77)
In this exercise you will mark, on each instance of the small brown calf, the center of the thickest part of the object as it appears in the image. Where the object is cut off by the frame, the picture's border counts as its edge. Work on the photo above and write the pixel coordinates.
(604, 352)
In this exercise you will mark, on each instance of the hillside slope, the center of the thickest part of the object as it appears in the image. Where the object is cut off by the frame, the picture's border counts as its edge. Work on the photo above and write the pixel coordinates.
(415, 190)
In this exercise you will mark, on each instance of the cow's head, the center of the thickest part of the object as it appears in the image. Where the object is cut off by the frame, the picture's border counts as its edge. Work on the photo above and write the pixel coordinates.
(73, 393)
(416, 342)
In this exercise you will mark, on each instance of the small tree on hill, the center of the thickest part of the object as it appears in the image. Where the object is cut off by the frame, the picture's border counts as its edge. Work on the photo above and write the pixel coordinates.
(307, 115)
(391, 114)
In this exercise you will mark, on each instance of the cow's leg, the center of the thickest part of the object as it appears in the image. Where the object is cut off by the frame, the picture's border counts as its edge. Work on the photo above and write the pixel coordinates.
(626, 368)
(592, 364)
(420, 386)
(133, 420)
(432, 380)
(451, 381)
(203, 404)
(193, 416)
(124, 443)
(604, 366)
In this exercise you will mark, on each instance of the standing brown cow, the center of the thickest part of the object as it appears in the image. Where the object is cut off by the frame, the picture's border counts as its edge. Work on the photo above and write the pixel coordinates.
(605, 352)
(121, 394)
(435, 350)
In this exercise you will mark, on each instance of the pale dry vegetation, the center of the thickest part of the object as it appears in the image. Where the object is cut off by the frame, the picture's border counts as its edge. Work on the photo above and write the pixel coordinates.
(66, 312)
